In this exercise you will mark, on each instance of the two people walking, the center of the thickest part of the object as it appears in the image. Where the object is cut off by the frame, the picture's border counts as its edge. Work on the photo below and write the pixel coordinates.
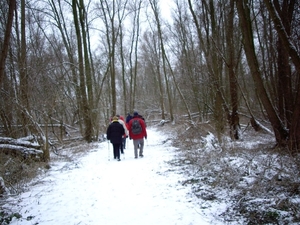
(118, 131)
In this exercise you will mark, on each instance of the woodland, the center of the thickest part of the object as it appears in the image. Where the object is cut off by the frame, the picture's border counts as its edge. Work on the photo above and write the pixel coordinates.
(220, 66)
(67, 66)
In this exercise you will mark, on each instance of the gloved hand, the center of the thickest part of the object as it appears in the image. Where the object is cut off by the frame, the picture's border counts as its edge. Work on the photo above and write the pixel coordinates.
(130, 138)
(146, 137)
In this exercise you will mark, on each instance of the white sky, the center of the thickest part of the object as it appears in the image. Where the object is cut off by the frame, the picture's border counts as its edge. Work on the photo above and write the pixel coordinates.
(166, 8)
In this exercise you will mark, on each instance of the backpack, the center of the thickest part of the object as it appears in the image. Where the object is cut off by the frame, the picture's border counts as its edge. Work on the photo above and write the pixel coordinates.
(136, 127)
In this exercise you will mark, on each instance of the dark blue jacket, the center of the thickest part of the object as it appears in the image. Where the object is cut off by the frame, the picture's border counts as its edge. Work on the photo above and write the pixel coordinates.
(128, 118)
(114, 132)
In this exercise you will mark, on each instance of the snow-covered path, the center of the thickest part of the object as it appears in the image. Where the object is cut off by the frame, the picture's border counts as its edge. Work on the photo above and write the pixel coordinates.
(99, 191)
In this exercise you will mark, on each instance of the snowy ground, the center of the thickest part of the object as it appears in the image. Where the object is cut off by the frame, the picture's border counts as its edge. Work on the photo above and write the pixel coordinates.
(94, 190)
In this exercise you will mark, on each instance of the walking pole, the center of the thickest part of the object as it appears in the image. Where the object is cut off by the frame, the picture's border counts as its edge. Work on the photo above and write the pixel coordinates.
(123, 151)
(108, 150)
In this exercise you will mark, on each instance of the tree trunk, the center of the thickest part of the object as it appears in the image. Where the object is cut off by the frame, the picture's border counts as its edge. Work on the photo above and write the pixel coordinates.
(155, 10)
(61, 25)
(23, 70)
(5, 46)
(135, 45)
(294, 134)
(87, 71)
(246, 27)
(82, 78)
(234, 116)
(215, 70)
(285, 96)
(213, 61)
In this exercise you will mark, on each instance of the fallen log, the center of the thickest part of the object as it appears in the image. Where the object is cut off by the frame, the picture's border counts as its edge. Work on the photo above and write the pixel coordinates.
(28, 142)
(25, 147)
(17, 150)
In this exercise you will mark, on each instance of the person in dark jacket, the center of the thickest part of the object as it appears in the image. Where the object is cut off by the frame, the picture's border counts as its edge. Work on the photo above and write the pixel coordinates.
(128, 118)
(114, 133)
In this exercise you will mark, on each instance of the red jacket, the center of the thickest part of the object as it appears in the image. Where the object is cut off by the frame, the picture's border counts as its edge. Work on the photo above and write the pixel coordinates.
(122, 118)
(137, 136)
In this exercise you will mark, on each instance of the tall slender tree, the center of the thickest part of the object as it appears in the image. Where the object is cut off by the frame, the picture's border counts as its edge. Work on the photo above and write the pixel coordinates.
(82, 75)
(231, 66)
(283, 30)
(248, 42)
(155, 9)
(6, 41)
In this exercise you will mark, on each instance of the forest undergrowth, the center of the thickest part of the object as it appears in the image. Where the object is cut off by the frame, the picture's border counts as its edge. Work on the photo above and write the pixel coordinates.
(258, 183)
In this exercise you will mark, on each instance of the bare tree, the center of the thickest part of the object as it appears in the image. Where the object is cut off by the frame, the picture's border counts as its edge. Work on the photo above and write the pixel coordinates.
(210, 43)
(113, 26)
(58, 18)
(5, 109)
(5, 45)
(23, 70)
(184, 48)
(133, 56)
(77, 10)
(231, 67)
(283, 28)
(155, 9)
(152, 64)
(246, 26)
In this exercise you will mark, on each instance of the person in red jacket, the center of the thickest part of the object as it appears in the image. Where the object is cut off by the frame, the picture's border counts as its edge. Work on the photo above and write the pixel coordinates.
(137, 132)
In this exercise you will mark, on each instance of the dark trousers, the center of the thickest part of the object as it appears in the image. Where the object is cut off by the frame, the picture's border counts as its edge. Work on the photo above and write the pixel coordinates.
(116, 150)
(122, 146)
(124, 142)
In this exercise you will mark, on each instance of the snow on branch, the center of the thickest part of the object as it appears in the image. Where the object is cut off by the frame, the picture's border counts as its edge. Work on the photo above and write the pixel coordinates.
(24, 147)
(28, 141)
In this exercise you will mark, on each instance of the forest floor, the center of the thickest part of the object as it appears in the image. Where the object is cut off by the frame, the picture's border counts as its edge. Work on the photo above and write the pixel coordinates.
(248, 181)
